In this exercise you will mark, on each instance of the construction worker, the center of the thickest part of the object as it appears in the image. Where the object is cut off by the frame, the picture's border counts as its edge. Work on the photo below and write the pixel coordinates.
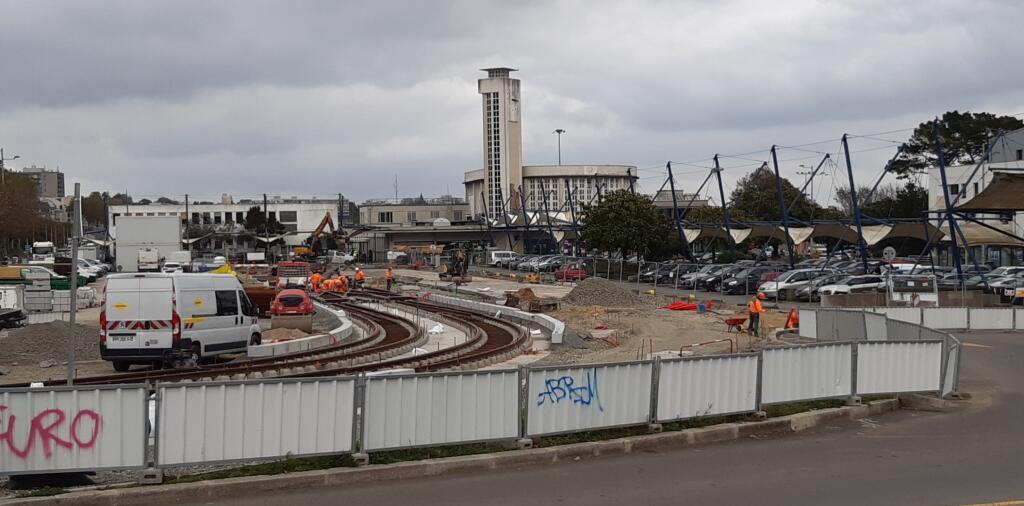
(329, 285)
(754, 310)
(342, 283)
(314, 282)
(389, 277)
(360, 277)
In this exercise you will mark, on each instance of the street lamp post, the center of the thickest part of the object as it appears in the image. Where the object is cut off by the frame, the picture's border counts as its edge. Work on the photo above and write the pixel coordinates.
(559, 131)
(806, 174)
(3, 171)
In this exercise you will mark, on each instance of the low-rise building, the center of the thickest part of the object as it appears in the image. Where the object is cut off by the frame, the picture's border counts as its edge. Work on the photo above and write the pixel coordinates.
(388, 213)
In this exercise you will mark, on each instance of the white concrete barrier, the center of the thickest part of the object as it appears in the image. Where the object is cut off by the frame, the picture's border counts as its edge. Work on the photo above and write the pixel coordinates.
(439, 409)
(707, 386)
(797, 373)
(808, 323)
(579, 398)
(984, 318)
(944, 317)
(312, 342)
(248, 420)
(65, 429)
(898, 367)
(555, 327)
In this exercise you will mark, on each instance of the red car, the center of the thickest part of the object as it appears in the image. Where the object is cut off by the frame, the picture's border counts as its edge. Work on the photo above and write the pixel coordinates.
(291, 302)
(571, 273)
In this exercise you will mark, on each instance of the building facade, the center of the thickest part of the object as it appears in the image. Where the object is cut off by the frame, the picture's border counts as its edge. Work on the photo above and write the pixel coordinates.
(411, 212)
(547, 188)
(986, 245)
(49, 182)
(298, 216)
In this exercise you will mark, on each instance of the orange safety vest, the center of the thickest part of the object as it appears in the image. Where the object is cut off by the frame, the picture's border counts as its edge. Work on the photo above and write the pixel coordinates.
(343, 284)
(387, 274)
(754, 306)
(360, 276)
(328, 285)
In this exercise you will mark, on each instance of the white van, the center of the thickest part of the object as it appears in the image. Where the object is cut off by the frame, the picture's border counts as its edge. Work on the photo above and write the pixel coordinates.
(157, 318)
(498, 256)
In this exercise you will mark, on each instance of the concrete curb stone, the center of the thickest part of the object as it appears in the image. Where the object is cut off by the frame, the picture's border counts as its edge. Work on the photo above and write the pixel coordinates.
(241, 487)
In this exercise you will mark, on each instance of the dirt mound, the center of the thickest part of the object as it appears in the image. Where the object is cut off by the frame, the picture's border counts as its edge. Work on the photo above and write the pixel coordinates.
(273, 335)
(45, 341)
(601, 292)
(526, 294)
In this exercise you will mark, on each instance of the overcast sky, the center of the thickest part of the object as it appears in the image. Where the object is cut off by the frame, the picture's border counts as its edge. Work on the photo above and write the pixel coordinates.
(321, 97)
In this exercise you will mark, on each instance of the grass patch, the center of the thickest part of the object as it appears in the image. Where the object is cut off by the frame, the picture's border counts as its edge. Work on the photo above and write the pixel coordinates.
(270, 468)
(43, 492)
(800, 407)
(411, 454)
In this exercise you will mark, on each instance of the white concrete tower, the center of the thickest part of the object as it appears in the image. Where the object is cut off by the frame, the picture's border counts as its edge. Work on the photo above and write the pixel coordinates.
(503, 139)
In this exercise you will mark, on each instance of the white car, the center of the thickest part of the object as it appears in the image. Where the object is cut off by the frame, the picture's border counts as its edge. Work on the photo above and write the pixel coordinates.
(156, 318)
(778, 287)
(171, 267)
(855, 284)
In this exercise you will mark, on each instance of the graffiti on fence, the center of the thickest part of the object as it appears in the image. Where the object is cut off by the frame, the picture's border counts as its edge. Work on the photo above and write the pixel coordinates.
(83, 431)
(563, 388)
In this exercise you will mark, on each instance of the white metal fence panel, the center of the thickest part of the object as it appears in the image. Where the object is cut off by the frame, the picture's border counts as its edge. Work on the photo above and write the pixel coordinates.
(229, 421)
(72, 429)
(902, 331)
(689, 388)
(898, 367)
(944, 317)
(404, 411)
(588, 397)
(850, 326)
(952, 367)
(826, 324)
(904, 314)
(875, 327)
(806, 372)
(809, 323)
(1019, 318)
(984, 318)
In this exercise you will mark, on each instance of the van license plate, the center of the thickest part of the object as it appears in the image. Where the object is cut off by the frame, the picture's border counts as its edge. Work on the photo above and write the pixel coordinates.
(123, 338)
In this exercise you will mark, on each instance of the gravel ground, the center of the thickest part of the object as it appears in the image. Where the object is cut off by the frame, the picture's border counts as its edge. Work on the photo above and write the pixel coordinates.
(601, 292)
(43, 341)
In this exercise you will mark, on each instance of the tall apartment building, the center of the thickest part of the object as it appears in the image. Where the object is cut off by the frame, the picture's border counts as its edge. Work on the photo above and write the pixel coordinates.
(50, 182)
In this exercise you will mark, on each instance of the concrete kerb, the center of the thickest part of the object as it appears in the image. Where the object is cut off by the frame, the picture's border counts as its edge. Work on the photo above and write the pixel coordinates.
(249, 486)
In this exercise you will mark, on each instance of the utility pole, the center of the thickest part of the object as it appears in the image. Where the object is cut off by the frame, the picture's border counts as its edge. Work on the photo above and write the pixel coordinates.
(675, 213)
(266, 229)
(559, 132)
(782, 207)
(721, 195)
(74, 284)
(188, 237)
(856, 205)
(3, 176)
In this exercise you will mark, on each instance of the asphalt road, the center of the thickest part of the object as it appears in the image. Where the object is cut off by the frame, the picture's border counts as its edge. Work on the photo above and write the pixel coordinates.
(972, 455)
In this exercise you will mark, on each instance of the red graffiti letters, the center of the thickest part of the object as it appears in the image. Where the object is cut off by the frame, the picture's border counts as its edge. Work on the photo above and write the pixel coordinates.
(46, 429)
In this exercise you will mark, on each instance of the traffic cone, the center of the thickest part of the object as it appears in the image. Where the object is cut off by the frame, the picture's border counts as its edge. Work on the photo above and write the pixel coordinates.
(793, 319)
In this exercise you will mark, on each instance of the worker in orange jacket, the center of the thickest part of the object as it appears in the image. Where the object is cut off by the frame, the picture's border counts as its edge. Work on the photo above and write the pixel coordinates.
(754, 310)
(389, 277)
(342, 283)
(314, 282)
(360, 277)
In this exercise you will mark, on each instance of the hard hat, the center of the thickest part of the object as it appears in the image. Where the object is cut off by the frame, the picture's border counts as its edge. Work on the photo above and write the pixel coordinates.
(760, 295)
(357, 268)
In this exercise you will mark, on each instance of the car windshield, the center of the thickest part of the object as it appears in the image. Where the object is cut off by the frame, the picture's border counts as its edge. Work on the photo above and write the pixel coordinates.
(172, 265)
(290, 300)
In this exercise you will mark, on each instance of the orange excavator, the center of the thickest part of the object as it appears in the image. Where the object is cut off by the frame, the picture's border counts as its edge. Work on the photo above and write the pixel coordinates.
(318, 242)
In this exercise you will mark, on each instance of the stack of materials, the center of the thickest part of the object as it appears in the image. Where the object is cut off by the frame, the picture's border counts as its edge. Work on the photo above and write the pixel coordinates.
(38, 296)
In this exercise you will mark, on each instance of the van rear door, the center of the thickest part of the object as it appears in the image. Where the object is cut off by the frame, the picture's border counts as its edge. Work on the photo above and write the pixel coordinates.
(139, 312)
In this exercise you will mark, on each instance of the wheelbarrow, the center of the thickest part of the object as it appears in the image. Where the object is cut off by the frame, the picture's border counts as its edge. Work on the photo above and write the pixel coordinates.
(735, 323)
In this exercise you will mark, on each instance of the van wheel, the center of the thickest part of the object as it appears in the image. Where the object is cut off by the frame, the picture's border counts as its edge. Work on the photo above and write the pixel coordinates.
(255, 340)
(121, 365)
(194, 355)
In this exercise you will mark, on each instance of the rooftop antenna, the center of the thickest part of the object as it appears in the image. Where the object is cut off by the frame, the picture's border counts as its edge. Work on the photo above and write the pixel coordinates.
(396, 187)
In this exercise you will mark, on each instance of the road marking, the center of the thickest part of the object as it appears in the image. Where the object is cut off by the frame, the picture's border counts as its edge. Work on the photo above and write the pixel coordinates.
(1002, 503)
(973, 345)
